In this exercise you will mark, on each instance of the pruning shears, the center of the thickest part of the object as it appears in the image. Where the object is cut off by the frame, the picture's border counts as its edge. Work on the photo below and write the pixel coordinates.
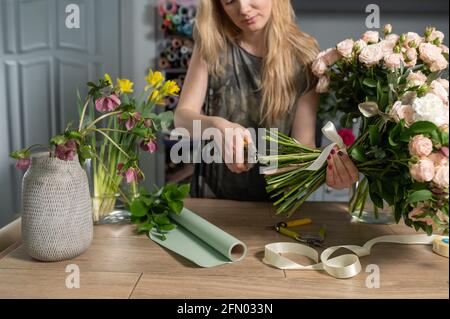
(282, 228)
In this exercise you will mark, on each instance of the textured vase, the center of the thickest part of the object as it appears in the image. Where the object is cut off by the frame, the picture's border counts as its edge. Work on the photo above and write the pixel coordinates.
(57, 209)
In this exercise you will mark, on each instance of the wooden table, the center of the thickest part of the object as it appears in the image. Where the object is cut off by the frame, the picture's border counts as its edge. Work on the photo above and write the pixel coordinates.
(122, 264)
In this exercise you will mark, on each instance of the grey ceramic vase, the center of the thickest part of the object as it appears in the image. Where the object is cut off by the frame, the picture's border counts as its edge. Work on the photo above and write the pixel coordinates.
(57, 209)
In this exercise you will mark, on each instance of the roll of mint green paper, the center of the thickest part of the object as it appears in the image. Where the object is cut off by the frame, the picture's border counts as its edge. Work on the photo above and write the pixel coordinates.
(201, 242)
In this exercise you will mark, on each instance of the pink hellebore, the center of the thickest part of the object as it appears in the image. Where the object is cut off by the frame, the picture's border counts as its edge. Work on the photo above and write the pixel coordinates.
(347, 136)
(23, 164)
(66, 152)
(132, 121)
(131, 175)
(149, 146)
(107, 103)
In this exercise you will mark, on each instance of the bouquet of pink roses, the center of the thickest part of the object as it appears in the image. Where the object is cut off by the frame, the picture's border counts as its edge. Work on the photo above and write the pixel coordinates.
(394, 85)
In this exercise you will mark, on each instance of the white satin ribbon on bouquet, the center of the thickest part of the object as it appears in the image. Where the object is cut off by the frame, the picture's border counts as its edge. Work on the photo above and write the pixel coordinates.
(329, 130)
(341, 267)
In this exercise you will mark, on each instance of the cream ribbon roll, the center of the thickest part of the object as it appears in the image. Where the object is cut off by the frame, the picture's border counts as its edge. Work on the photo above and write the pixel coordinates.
(341, 267)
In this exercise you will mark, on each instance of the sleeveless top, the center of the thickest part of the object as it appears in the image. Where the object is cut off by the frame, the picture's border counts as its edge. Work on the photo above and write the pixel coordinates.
(236, 97)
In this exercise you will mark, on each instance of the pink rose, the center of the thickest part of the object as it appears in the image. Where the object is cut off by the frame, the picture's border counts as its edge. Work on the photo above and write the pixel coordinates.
(149, 146)
(107, 103)
(444, 48)
(429, 53)
(440, 64)
(319, 67)
(393, 38)
(345, 48)
(393, 60)
(423, 171)
(436, 35)
(420, 146)
(444, 151)
(411, 57)
(359, 45)
(387, 47)
(329, 56)
(439, 90)
(412, 40)
(23, 164)
(387, 28)
(371, 55)
(441, 176)
(323, 84)
(438, 158)
(401, 111)
(347, 136)
(371, 37)
(444, 83)
(416, 78)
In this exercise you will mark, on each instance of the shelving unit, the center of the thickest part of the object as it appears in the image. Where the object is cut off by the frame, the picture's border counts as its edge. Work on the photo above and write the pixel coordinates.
(175, 45)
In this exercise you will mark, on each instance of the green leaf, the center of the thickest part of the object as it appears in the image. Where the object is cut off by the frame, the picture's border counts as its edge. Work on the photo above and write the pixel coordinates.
(145, 227)
(370, 82)
(168, 227)
(419, 196)
(374, 135)
(162, 219)
(422, 127)
(358, 154)
(138, 208)
(58, 140)
(176, 206)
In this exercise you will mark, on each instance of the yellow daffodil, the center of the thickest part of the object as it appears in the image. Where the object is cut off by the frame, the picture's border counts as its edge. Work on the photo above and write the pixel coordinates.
(170, 88)
(156, 97)
(154, 80)
(125, 86)
(108, 79)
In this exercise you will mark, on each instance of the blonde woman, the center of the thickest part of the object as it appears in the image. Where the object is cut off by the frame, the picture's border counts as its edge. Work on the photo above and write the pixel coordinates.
(251, 69)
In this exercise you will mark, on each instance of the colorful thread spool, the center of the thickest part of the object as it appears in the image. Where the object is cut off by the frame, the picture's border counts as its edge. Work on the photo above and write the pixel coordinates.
(164, 63)
(168, 7)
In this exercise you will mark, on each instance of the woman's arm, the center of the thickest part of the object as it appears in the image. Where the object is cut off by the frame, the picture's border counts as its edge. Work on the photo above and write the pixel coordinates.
(189, 109)
(304, 127)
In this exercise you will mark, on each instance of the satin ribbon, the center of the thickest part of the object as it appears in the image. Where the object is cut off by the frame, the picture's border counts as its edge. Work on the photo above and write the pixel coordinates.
(329, 130)
(341, 267)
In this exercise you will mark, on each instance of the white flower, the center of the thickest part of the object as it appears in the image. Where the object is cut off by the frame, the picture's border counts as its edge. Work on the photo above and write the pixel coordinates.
(430, 108)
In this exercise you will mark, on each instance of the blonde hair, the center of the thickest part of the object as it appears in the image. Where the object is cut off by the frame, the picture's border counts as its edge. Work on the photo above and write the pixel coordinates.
(287, 48)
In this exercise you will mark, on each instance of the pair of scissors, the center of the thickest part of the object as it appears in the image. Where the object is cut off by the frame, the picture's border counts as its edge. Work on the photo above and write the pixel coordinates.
(282, 228)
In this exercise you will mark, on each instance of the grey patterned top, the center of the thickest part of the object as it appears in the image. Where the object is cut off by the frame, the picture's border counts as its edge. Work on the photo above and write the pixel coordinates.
(236, 97)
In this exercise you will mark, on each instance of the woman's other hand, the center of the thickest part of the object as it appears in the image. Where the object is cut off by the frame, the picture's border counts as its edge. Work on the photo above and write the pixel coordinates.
(341, 172)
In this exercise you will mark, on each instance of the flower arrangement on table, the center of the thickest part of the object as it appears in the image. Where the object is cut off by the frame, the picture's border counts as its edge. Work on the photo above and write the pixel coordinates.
(394, 85)
(108, 137)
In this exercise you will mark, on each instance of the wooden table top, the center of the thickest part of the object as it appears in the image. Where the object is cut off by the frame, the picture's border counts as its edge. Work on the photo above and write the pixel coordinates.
(123, 264)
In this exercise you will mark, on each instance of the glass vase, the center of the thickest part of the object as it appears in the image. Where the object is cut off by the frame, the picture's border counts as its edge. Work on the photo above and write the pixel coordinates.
(367, 212)
(111, 195)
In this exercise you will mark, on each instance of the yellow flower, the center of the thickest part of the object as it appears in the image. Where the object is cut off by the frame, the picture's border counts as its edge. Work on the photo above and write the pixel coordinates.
(154, 79)
(156, 98)
(170, 88)
(125, 86)
(108, 79)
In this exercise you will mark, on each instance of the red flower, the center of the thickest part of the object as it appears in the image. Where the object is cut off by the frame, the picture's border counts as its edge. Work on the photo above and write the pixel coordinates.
(347, 136)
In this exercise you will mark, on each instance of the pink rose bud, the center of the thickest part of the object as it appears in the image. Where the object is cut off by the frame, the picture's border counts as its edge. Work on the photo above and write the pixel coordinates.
(444, 150)
(23, 164)
(347, 136)
(420, 146)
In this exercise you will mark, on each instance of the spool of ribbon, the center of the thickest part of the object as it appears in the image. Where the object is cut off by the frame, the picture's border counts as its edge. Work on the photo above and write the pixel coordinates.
(192, 12)
(341, 267)
(168, 7)
(177, 19)
(176, 43)
(183, 11)
(329, 130)
(164, 63)
(172, 102)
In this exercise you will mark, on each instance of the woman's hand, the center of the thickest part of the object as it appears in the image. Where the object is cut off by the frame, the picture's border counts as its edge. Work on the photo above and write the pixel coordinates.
(233, 146)
(341, 172)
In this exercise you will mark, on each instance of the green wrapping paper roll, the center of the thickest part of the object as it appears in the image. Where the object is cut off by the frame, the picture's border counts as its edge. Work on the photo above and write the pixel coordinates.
(201, 242)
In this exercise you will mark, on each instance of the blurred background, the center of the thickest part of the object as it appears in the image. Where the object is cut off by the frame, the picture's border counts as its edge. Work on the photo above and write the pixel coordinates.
(43, 64)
